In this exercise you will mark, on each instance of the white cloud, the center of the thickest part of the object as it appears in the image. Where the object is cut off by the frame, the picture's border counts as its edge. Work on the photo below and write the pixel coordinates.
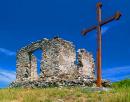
(116, 73)
(105, 29)
(7, 76)
(7, 52)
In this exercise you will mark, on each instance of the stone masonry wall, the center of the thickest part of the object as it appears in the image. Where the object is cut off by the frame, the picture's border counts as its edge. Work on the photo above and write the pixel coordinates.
(34, 75)
(85, 64)
(58, 61)
(23, 66)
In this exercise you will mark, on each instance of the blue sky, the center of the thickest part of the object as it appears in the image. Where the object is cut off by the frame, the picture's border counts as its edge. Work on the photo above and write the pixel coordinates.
(24, 21)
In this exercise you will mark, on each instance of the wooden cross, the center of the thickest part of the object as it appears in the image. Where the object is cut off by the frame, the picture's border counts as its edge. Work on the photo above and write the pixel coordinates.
(99, 39)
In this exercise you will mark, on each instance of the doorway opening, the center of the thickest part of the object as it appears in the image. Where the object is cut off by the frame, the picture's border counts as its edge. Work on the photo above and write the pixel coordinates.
(38, 55)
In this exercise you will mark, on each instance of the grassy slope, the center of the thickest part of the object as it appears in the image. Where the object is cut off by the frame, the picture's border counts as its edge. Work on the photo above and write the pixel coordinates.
(120, 93)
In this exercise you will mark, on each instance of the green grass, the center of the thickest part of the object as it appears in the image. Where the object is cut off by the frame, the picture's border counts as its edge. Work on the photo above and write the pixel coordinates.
(122, 84)
(119, 93)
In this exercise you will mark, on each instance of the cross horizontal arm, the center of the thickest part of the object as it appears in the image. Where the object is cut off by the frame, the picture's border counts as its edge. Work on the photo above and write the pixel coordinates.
(115, 17)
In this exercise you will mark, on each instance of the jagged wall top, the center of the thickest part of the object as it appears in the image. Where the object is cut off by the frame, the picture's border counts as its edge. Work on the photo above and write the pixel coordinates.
(39, 44)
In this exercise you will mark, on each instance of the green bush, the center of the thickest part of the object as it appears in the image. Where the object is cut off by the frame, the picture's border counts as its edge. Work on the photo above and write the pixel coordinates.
(121, 84)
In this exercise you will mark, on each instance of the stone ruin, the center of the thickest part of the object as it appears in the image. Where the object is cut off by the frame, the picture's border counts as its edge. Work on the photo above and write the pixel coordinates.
(58, 67)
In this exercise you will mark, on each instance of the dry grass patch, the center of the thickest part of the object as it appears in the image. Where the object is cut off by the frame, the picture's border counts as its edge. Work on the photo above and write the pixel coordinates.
(65, 94)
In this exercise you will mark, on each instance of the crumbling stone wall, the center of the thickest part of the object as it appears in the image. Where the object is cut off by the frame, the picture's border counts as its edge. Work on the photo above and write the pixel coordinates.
(33, 66)
(58, 62)
(26, 62)
(57, 59)
(85, 64)
(23, 66)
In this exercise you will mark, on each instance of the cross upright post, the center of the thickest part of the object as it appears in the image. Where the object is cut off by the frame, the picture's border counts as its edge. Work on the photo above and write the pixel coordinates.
(99, 46)
(99, 39)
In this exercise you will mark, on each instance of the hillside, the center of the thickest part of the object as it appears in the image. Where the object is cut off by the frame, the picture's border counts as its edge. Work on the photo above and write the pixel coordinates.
(119, 93)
